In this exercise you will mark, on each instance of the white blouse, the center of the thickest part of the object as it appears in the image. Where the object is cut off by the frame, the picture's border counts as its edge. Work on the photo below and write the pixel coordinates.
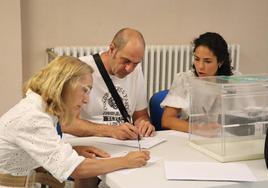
(179, 94)
(28, 139)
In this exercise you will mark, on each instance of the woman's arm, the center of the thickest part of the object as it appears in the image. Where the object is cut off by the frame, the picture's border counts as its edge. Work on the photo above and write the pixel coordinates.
(95, 167)
(170, 120)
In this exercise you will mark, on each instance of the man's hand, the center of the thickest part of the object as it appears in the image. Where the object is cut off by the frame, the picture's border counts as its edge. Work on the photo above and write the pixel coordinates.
(143, 124)
(90, 152)
(145, 128)
(124, 131)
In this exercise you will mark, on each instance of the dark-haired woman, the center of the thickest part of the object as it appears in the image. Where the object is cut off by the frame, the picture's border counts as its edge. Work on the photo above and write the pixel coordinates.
(211, 58)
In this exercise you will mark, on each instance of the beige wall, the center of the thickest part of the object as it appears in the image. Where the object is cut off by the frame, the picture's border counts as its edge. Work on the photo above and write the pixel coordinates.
(10, 52)
(47, 23)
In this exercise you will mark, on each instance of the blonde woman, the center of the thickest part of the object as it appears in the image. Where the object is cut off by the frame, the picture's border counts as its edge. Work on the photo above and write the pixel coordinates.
(28, 139)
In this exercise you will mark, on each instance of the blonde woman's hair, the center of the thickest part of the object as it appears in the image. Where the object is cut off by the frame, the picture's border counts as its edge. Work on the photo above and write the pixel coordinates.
(50, 81)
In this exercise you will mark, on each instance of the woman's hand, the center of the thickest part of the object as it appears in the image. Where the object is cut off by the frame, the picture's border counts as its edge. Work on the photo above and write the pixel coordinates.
(211, 129)
(136, 159)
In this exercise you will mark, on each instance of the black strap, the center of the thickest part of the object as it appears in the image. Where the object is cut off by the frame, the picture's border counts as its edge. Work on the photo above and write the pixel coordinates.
(111, 87)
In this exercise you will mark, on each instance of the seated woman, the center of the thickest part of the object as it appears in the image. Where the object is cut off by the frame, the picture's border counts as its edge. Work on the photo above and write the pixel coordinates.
(211, 58)
(28, 138)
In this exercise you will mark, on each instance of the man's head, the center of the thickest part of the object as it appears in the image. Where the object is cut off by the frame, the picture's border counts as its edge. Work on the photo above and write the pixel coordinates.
(126, 51)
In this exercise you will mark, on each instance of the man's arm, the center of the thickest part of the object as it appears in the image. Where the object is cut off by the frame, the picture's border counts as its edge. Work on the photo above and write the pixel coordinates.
(81, 127)
(142, 122)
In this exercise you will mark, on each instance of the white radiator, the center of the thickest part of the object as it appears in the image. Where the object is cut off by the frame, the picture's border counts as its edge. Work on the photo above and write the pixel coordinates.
(160, 64)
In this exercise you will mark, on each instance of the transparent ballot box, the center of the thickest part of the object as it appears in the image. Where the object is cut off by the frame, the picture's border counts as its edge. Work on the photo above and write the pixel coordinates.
(229, 116)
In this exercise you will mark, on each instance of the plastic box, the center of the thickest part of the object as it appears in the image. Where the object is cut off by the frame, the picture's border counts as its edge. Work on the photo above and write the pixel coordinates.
(229, 116)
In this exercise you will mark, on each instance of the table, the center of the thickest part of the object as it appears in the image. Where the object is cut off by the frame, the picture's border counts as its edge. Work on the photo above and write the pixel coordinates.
(175, 148)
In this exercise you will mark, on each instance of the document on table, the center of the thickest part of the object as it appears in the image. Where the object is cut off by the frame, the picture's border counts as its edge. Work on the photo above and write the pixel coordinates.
(145, 143)
(178, 170)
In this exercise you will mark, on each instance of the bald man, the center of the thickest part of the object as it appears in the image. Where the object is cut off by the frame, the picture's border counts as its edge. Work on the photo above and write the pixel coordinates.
(100, 115)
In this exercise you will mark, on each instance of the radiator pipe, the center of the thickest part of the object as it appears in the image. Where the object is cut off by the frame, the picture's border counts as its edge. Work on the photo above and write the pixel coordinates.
(51, 54)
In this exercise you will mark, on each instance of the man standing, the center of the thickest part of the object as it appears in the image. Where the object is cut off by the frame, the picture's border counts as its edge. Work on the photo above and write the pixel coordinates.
(101, 117)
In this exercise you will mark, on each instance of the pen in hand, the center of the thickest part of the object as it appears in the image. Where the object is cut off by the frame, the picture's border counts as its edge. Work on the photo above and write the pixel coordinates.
(139, 137)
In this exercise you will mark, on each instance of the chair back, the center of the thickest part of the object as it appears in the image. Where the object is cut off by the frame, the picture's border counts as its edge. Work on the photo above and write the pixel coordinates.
(155, 110)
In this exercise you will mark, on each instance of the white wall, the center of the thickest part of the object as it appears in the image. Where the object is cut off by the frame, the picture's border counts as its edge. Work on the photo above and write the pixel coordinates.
(10, 53)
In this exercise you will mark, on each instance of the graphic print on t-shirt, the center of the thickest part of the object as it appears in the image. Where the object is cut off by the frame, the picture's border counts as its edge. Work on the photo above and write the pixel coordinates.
(111, 113)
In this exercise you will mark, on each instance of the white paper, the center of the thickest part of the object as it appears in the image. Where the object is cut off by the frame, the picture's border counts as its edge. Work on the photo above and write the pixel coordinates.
(151, 161)
(145, 143)
(176, 170)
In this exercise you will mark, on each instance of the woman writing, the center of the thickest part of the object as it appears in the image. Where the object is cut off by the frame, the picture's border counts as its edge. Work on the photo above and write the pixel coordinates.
(28, 138)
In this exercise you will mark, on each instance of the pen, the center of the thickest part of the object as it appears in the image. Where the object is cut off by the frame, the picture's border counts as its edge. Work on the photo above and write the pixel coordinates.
(139, 138)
